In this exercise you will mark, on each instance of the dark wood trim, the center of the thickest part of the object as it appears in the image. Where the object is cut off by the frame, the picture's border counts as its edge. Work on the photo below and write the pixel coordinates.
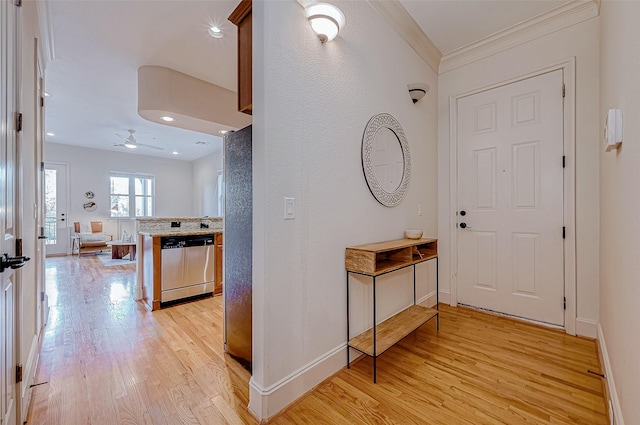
(157, 273)
(241, 17)
(240, 12)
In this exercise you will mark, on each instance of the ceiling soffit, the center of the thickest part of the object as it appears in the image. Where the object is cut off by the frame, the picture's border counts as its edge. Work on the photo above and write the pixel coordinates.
(193, 103)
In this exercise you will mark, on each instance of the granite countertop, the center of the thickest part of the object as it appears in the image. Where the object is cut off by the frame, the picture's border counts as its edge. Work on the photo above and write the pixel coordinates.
(180, 232)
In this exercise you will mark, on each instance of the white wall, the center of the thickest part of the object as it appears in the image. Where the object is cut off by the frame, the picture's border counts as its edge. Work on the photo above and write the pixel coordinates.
(579, 41)
(89, 170)
(620, 203)
(312, 102)
(205, 188)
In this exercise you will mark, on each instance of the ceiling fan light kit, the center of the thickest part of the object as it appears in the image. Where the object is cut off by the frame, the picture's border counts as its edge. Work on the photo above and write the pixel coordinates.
(131, 142)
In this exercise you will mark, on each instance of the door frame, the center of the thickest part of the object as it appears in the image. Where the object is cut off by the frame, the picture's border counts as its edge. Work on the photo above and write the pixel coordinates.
(67, 188)
(569, 107)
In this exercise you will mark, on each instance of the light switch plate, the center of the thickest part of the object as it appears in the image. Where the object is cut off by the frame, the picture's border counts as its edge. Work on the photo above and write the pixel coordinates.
(289, 208)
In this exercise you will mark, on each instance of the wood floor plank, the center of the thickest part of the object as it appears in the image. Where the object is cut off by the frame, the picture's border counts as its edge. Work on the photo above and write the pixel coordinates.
(106, 360)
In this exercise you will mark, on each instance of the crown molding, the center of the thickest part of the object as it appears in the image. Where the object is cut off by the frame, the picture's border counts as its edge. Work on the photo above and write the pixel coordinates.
(43, 8)
(559, 18)
(402, 22)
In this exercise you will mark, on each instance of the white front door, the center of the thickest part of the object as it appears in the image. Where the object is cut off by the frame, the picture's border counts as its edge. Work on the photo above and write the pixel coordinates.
(510, 199)
(8, 178)
(56, 225)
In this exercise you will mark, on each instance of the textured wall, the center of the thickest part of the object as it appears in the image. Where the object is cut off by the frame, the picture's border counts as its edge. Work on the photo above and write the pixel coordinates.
(620, 202)
(312, 102)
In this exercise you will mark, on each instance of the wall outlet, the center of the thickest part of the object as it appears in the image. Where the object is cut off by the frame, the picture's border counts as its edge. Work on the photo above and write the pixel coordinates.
(175, 224)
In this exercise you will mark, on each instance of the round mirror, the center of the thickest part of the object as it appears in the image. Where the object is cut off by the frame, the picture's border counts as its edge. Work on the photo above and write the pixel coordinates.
(385, 159)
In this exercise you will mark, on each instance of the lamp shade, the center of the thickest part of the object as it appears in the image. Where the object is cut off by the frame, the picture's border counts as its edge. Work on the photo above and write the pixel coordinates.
(325, 19)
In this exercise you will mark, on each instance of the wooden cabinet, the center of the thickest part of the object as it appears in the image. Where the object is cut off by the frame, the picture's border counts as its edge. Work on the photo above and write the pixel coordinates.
(241, 17)
(149, 273)
(376, 260)
(218, 240)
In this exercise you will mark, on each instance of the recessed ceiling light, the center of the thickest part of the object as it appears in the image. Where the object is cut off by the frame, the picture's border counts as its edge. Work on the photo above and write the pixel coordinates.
(46, 94)
(174, 152)
(223, 132)
(215, 31)
(167, 119)
(51, 134)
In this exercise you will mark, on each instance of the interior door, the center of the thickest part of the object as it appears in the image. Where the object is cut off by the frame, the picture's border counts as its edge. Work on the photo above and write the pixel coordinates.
(56, 224)
(43, 306)
(8, 177)
(510, 199)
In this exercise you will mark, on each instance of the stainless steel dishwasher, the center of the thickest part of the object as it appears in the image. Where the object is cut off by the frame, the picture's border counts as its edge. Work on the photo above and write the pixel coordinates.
(187, 266)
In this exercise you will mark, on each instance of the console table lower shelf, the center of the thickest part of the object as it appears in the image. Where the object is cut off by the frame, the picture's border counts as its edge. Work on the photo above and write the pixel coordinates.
(392, 330)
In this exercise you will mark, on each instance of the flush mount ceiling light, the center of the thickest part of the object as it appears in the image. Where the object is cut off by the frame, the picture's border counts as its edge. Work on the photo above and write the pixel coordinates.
(174, 152)
(51, 134)
(46, 94)
(166, 118)
(223, 132)
(325, 19)
(215, 31)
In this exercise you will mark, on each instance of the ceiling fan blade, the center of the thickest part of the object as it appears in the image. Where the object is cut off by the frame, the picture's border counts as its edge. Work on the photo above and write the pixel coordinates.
(151, 146)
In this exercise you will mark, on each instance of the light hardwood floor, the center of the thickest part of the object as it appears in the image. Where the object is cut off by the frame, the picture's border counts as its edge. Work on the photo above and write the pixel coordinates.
(106, 360)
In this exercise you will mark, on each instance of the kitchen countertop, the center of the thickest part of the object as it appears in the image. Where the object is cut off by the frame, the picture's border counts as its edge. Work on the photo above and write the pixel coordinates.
(181, 232)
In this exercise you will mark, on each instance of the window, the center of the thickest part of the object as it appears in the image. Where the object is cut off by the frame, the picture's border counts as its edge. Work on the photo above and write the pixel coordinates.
(131, 195)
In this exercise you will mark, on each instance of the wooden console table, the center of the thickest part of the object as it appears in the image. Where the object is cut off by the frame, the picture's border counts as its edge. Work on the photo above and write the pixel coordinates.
(378, 259)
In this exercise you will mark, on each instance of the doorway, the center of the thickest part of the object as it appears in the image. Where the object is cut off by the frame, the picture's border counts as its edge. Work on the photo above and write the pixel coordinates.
(56, 223)
(510, 198)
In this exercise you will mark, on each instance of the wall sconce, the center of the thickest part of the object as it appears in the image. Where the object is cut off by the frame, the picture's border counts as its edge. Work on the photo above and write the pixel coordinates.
(325, 19)
(417, 91)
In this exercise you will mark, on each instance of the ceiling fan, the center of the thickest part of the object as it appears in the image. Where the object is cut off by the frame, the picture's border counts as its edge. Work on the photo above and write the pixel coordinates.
(131, 143)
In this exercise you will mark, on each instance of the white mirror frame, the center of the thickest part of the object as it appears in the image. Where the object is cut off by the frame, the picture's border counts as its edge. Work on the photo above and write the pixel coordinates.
(384, 120)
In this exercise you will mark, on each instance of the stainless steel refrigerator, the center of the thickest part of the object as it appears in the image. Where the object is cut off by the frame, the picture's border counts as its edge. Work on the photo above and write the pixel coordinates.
(238, 216)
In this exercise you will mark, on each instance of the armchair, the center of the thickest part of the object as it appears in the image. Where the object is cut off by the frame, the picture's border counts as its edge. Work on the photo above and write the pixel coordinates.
(90, 241)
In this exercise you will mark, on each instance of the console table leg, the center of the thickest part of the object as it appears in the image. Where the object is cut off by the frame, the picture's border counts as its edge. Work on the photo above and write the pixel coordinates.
(375, 353)
(348, 360)
(437, 298)
(414, 284)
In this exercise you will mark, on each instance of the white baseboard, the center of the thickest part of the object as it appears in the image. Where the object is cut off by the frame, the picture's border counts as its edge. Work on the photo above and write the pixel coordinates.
(429, 299)
(264, 403)
(586, 327)
(29, 372)
(444, 297)
(611, 386)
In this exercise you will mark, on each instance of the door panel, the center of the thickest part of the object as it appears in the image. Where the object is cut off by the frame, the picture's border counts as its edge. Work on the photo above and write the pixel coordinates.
(510, 185)
(8, 177)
